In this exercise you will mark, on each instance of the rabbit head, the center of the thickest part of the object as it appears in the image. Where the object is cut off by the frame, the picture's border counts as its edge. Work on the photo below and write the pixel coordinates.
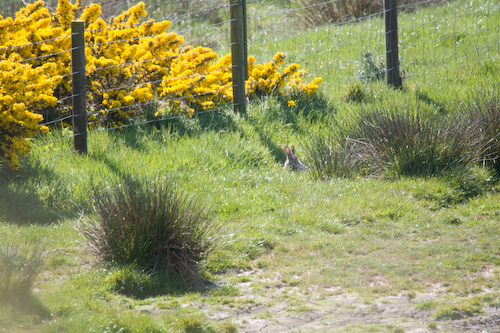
(292, 161)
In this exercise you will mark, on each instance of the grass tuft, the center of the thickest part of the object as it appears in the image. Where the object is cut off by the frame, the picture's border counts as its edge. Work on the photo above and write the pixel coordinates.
(356, 92)
(326, 158)
(460, 310)
(152, 225)
(386, 141)
(371, 67)
(411, 143)
(484, 109)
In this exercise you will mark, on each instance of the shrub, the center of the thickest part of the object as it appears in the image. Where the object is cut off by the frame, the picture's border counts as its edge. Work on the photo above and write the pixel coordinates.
(23, 89)
(20, 266)
(129, 63)
(151, 225)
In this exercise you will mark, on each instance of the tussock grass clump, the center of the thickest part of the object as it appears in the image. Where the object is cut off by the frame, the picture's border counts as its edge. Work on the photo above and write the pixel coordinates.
(412, 143)
(20, 265)
(485, 110)
(326, 158)
(151, 225)
(387, 141)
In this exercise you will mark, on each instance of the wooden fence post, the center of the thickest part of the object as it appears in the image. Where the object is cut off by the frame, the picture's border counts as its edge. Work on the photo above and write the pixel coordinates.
(391, 43)
(78, 86)
(237, 11)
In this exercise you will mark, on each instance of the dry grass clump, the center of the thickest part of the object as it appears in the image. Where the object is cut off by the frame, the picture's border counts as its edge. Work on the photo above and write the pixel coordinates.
(318, 12)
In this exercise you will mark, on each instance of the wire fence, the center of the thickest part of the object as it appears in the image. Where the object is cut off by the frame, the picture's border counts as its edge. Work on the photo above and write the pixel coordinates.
(140, 70)
(433, 38)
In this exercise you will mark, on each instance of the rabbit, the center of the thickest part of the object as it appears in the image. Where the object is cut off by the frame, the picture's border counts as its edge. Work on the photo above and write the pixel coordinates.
(292, 161)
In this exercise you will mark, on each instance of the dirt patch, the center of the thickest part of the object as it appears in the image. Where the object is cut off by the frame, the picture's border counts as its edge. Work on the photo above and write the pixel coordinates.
(489, 322)
(281, 308)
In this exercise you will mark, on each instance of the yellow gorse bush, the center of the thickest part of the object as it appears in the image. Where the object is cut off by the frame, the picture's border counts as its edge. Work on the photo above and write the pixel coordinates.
(16, 119)
(129, 64)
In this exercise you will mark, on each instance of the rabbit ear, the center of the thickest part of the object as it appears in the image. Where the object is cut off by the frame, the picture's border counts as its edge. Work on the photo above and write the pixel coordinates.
(287, 150)
(293, 149)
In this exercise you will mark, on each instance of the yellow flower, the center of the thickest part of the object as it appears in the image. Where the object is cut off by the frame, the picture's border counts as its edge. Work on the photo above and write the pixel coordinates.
(116, 104)
(65, 12)
(128, 100)
(128, 62)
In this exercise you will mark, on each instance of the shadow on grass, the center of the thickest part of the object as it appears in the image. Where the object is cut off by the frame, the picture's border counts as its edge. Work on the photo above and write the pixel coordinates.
(133, 282)
(274, 109)
(136, 137)
(113, 166)
(424, 97)
(306, 110)
(277, 152)
(15, 306)
(20, 200)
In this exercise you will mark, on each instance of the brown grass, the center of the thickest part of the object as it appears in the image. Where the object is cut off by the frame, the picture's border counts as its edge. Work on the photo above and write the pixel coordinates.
(318, 12)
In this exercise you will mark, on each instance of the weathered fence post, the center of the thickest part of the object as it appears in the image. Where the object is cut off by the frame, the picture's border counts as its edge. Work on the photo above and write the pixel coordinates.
(237, 11)
(391, 43)
(78, 86)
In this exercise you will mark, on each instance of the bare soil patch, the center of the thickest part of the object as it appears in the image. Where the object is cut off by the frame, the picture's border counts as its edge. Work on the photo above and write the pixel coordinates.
(282, 308)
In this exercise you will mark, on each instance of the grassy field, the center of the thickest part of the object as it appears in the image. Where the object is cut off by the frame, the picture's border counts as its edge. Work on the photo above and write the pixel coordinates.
(388, 253)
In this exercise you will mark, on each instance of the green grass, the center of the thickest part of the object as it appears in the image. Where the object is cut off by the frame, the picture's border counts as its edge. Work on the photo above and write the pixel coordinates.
(434, 42)
(372, 238)
(297, 240)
